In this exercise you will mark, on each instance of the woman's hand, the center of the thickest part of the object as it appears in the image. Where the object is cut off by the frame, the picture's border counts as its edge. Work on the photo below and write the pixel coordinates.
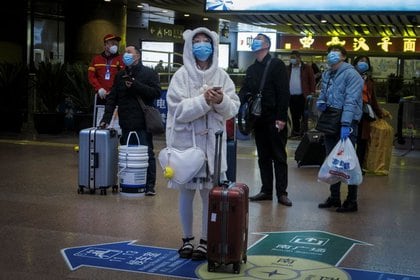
(213, 96)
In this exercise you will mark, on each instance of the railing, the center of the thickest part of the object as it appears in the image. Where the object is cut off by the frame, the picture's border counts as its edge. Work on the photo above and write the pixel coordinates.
(171, 65)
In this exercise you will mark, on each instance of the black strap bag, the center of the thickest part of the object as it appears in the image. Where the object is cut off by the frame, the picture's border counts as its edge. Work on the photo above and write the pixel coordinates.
(251, 109)
(330, 121)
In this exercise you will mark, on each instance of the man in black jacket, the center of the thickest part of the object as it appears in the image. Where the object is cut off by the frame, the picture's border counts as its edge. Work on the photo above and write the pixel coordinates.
(134, 81)
(270, 129)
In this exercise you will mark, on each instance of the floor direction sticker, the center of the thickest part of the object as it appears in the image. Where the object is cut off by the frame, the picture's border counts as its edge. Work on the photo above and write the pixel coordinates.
(289, 255)
(313, 245)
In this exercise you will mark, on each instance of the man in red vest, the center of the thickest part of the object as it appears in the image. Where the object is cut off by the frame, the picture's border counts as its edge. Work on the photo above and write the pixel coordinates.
(104, 66)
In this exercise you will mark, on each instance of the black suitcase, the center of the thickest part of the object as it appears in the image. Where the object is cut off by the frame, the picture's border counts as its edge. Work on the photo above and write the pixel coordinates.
(311, 149)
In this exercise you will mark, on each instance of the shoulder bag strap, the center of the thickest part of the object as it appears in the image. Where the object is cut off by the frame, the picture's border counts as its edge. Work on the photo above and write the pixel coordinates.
(170, 136)
(142, 105)
(264, 76)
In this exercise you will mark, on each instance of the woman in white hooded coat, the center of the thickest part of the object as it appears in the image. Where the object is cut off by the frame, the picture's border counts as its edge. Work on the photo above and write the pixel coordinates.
(194, 103)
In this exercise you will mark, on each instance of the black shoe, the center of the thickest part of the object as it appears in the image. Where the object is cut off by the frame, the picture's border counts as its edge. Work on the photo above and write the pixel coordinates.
(200, 252)
(283, 199)
(261, 196)
(330, 202)
(150, 191)
(348, 206)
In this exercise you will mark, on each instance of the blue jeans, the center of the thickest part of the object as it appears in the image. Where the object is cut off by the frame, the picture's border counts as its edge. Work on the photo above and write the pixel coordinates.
(330, 142)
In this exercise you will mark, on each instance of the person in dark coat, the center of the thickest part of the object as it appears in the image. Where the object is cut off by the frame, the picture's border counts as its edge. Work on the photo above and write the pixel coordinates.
(134, 81)
(270, 128)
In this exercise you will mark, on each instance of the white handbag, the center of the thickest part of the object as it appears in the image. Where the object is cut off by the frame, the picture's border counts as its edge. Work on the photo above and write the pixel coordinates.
(184, 163)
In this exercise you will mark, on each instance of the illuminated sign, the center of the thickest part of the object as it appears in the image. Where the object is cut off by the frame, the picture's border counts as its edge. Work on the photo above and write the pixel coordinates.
(409, 44)
(308, 6)
(336, 41)
(360, 44)
(307, 41)
(245, 40)
(365, 44)
(386, 41)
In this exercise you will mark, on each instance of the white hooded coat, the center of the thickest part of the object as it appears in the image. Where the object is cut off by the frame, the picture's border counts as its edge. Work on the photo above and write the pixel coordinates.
(187, 107)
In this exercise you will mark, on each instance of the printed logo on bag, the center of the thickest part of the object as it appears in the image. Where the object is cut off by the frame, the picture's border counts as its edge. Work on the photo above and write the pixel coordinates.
(339, 174)
(341, 164)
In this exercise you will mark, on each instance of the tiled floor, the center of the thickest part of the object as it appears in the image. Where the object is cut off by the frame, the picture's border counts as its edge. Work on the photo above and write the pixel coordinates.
(42, 212)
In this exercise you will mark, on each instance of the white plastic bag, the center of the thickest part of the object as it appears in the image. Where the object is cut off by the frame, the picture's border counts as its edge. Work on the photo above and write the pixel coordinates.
(341, 165)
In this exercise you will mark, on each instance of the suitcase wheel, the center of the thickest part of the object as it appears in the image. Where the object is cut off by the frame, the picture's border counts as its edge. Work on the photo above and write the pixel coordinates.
(236, 267)
(103, 191)
(245, 259)
(92, 191)
(115, 189)
(211, 266)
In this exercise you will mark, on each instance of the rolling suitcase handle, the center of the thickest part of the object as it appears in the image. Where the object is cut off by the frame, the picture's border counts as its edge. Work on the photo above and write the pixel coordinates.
(217, 158)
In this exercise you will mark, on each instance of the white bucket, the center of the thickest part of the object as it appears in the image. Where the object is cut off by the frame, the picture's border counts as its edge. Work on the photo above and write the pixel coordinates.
(132, 165)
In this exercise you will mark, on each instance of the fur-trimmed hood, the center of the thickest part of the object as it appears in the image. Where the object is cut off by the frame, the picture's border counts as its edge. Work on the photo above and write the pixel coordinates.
(189, 59)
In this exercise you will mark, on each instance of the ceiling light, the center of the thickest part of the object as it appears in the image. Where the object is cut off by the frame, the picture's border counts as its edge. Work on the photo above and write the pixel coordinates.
(140, 6)
(186, 15)
(324, 20)
(205, 18)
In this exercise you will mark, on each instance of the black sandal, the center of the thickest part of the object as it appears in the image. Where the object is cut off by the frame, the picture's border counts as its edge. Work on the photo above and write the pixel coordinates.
(187, 248)
(200, 252)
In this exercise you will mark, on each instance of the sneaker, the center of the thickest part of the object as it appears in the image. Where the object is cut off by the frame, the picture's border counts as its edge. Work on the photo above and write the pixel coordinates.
(150, 191)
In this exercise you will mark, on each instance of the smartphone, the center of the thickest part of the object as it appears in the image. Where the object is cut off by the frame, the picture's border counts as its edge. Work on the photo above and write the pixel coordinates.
(217, 88)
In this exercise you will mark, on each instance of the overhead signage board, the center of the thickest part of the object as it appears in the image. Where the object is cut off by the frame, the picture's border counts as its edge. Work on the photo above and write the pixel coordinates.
(312, 6)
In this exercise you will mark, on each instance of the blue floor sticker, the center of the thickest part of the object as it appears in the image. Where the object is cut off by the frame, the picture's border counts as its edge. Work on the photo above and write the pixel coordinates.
(127, 256)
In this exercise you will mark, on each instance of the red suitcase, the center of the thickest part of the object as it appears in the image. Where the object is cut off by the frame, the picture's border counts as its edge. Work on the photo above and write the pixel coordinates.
(227, 236)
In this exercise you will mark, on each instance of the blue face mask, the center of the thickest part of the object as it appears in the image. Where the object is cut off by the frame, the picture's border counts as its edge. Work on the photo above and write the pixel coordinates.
(333, 57)
(128, 59)
(293, 60)
(202, 50)
(362, 67)
(256, 45)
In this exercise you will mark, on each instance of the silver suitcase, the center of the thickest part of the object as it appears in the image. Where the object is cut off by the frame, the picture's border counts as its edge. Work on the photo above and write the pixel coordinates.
(98, 160)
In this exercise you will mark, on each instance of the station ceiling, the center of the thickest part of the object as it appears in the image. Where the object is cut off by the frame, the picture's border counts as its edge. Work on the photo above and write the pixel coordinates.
(350, 24)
